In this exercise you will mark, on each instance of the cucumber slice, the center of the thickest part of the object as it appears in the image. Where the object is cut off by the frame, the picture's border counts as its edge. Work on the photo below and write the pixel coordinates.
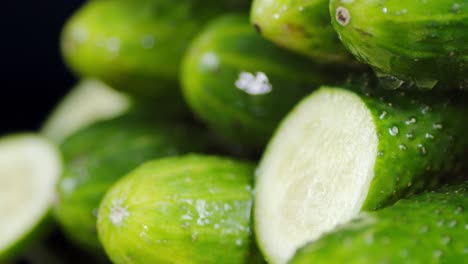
(428, 228)
(29, 169)
(341, 152)
(91, 100)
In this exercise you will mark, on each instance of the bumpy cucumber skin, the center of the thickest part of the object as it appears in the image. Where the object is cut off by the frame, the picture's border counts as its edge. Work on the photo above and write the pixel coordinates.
(191, 209)
(428, 228)
(213, 64)
(421, 141)
(416, 41)
(301, 26)
(135, 46)
(97, 156)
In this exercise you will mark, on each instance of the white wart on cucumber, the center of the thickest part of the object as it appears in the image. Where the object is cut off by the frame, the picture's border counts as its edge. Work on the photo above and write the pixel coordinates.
(341, 152)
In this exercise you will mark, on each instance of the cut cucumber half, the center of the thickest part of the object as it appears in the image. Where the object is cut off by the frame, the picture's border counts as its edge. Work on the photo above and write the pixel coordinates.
(91, 100)
(340, 152)
(29, 169)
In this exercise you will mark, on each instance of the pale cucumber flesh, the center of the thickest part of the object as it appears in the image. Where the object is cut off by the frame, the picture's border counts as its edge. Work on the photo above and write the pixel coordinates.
(29, 169)
(308, 181)
(90, 101)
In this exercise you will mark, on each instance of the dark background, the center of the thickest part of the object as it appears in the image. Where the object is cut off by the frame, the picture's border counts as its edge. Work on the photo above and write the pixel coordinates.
(33, 76)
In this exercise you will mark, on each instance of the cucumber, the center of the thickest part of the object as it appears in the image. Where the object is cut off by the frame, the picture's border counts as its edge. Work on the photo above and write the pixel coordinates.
(429, 228)
(242, 85)
(340, 152)
(421, 42)
(89, 101)
(135, 46)
(301, 26)
(29, 169)
(97, 156)
(190, 209)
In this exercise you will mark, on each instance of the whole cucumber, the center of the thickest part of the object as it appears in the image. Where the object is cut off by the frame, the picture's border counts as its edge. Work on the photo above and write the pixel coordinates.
(301, 26)
(135, 46)
(242, 85)
(428, 228)
(189, 209)
(340, 152)
(421, 42)
(98, 155)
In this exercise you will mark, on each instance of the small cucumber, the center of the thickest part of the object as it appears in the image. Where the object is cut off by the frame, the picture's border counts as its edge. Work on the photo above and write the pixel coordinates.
(89, 101)
(29, 169)
(428, 228)
(97, 156)
(135, 46)
(301, 26)
(242, 85)
(190, 209)
(421, 42)
(340, 152)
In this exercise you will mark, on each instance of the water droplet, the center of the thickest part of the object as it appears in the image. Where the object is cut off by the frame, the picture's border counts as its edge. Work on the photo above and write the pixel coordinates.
(446, 240)
(409, 136)
(458, 210)
(147, 41)
(385, 10)
(456, 7)
(393, 131)
(389, 82)
(402, 147)
(429, 136)
(194, 236)
(411, 121)
(239, 242)
(424, 229)
(437, 254)
(383, 115)
(425, 109)
(210, 61)
(453, 223)
(276, 16)
(422, 149)
(113, 45)
(437, 126)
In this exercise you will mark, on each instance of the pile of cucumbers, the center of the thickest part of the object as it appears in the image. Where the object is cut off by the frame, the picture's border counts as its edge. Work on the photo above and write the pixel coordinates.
(231, 131)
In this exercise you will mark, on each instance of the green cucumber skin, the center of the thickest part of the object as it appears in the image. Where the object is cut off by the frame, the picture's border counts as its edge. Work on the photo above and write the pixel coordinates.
(301, 26)
(211, 92)
(190, 209)
(416, 41)
(135, 46)
(421, 141)
(428, 228)
(97, 156)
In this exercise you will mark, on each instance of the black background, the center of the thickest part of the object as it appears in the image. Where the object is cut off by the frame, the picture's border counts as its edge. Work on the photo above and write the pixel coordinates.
(33, 76)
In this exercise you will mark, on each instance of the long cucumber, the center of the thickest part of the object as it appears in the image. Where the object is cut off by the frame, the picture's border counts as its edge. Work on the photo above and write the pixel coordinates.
(428, 228)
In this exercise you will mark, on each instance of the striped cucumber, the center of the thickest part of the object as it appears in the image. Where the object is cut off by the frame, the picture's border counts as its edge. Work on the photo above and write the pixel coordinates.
(97, 156)
(341, 152)
(428, 228)
(190, 209)
(301, 26)
(241, 85)
(135, 46)
(422, 42)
